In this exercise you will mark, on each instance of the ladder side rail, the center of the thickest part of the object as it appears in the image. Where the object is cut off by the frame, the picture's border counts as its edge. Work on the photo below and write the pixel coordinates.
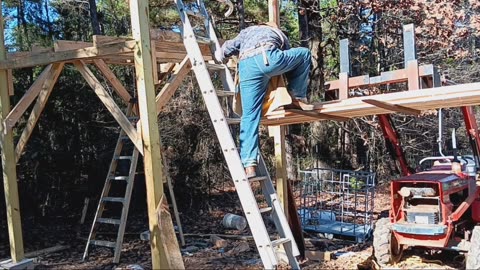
(229, 149)
(270, 195)
(126, 205)
(209, 27)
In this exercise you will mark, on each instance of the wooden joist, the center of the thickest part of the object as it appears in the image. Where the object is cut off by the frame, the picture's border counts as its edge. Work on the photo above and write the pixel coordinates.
(113, 80)
(392, 107)
(424, 99)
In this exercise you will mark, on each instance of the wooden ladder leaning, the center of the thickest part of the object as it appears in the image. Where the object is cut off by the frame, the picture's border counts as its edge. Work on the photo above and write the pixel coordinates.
(124, 151)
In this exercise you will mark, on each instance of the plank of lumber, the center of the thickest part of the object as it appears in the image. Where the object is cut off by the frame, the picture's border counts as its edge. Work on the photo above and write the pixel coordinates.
(110, 104)
(28, 98)
(163, 242)
(423, 99)
(100, 40)
(386, 77)
(45, 91)
(321, 116)
(9, 168)
(392, 107)
(69, 45)
(173, 83)
(113, 80)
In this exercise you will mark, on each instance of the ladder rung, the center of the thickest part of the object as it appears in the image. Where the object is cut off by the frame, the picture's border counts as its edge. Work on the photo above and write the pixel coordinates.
(266, 209)
(119, 178)
(225, 93)
(109, 221)
(103, 243)
(113, 199)
(194, 14)
(233, 121)
(280, 241)
(123, 157)
(257, 178)
(215, 67)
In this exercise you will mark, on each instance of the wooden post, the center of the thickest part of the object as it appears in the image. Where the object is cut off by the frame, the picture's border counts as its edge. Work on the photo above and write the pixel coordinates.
(151, 142)
(274, 11)
(278, 133)
(8, 162)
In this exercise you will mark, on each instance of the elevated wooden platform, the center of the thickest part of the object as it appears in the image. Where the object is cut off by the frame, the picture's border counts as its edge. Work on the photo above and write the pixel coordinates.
(409, 102)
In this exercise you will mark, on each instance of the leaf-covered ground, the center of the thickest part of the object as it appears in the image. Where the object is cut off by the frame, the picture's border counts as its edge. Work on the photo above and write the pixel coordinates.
(201, 253)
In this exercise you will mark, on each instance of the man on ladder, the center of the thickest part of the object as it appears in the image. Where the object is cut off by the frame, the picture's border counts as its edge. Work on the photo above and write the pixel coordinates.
(264, 52)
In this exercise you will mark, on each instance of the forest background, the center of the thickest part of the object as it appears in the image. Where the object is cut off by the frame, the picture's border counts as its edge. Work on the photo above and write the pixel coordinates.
(69, 152)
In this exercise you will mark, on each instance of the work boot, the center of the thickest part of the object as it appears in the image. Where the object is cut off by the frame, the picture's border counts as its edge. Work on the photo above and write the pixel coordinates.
(251, 171)
(300, 103)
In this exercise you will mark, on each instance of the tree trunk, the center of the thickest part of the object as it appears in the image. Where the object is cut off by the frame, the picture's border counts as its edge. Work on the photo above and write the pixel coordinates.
(241, 14)
(94, 17)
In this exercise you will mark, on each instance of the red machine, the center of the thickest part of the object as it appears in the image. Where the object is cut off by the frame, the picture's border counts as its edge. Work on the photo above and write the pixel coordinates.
(438, 208)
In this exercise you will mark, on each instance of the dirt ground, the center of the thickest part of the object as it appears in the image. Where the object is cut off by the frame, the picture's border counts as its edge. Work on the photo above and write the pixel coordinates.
(200, 253)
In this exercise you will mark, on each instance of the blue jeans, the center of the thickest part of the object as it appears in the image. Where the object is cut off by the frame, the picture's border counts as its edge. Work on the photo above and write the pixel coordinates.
(254, 78)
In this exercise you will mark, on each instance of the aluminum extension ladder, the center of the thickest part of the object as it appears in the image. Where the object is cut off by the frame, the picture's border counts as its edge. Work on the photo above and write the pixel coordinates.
(268, 248)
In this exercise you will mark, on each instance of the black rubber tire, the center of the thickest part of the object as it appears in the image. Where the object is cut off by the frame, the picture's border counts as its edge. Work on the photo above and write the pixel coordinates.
(473, 255)
(381, 241)
(385, 246)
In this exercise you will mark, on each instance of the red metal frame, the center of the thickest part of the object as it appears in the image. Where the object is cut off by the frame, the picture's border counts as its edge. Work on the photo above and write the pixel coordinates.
(391, 135)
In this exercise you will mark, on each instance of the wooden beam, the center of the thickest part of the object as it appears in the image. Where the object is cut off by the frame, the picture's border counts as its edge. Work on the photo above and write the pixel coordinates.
(165, 251)
(110, 104)
(45, 89)
(113, 80)
(68, 45)
(38, 59)
(392, 107)
(100, 40)
(28, 98)
(173, 83)
(9, 169)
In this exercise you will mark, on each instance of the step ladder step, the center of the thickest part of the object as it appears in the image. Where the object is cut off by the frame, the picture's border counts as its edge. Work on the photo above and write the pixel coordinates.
(280, 241)
(266, 209)
(257, 178)
(233, 121)
(103, 243)
(119, 178)
(109, 221)
(123, 157)
(113, 199)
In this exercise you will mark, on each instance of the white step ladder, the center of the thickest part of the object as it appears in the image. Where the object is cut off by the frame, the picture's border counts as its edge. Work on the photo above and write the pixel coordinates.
(269, 249)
